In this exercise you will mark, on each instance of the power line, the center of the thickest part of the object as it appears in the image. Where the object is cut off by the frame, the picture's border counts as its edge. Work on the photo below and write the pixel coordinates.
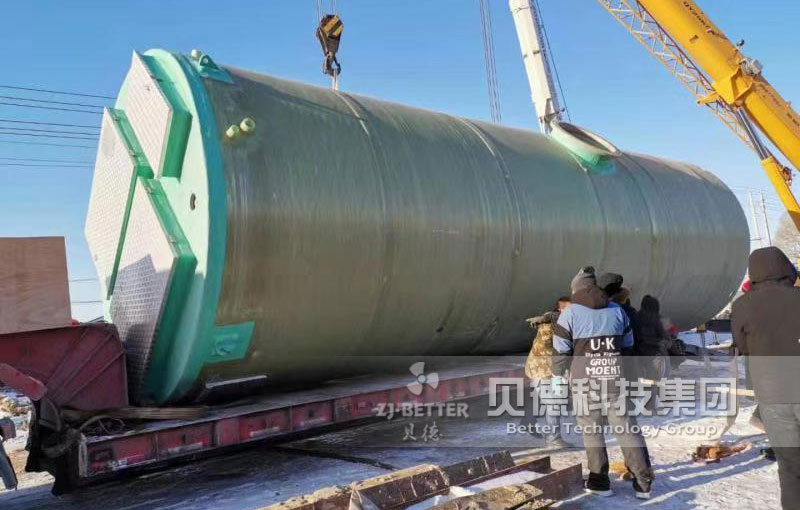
(47, 160)
(771, 199)
(49, 136)
(748, 188)
(17, 121)
(756, 190)
(33, 89)
(49, 131)
(49, 108)
(50, 101)
(773, 205)
(27, 142)
(91, 301)
(43, 166)
(75, 280)
(752, 188)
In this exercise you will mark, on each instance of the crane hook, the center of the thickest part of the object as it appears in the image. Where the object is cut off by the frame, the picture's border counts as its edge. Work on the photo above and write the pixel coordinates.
(329, 34)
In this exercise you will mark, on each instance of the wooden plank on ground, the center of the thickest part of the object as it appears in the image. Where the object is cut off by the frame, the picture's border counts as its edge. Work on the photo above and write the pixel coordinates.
(406, 487)
(34, 290)
(522, 497)
(561, 483)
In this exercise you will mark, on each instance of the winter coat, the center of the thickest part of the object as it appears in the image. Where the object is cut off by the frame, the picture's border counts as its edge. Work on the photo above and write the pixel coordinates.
(539, 364)
(766, 326)
(611, 284)
(633, 317)
(589, 329)
(651, 336)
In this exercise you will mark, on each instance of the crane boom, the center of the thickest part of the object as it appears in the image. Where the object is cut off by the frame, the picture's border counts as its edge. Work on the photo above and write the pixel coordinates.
(537, 65)
(696, 51)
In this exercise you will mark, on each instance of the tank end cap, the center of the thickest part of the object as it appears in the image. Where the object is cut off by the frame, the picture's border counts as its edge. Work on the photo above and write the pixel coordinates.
(593, 152)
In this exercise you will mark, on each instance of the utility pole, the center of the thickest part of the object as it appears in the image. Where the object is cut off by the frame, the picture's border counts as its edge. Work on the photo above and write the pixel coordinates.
(755, 221)
(766, 218)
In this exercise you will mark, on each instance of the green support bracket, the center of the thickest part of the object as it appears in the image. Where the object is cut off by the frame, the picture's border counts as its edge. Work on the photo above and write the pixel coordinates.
(141, 169)
(179, 124)
(207, 68)
(230, 342)
(183, 271)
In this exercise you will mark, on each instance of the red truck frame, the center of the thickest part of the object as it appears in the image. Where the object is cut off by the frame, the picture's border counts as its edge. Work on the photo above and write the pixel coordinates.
(80, 371)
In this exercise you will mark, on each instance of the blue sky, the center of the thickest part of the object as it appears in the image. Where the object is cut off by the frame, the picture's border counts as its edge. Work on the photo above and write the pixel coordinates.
(423, 53)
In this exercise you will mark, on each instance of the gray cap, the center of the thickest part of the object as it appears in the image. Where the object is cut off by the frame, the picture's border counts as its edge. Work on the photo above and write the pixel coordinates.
(611, 283)
(583, 280)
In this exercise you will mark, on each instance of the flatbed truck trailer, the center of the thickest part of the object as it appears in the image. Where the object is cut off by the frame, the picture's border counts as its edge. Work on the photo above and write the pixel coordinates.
(76, 378)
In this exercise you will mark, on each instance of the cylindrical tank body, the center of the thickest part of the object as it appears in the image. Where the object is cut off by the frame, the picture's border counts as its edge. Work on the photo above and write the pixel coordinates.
(341, 226)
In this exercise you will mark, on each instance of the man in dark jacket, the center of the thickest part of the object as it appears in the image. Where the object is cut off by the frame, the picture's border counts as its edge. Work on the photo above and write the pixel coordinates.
(766, 327)
(653, 336)
(590, 334)
(611, 283)
(653, 348)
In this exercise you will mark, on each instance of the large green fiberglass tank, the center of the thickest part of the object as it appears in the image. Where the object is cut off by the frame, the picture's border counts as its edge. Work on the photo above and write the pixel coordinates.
(252, 228)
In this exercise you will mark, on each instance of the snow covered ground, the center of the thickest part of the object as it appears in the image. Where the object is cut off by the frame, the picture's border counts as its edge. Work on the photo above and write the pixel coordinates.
(262, 475)
(14, 406)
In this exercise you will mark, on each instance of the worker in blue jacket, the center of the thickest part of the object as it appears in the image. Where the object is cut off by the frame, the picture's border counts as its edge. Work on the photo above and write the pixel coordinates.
(590, 335)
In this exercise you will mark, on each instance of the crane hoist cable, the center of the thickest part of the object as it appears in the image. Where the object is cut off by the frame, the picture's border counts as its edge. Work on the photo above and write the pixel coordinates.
(548, 52)
(489, 61)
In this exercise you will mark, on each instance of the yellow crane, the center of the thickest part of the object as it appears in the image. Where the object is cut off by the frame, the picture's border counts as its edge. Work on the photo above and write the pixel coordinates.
(721, 77)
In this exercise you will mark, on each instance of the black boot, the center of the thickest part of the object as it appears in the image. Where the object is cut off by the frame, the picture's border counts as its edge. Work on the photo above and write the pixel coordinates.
(641, 490)
(599, 485)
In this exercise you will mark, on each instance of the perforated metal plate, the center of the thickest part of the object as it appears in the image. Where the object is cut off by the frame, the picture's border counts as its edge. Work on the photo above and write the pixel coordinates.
(143, 281)
(149, 112)
(113, 172)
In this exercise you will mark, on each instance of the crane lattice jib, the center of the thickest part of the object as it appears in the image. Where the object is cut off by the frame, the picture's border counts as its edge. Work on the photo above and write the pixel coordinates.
(658, 42)
(698, 53)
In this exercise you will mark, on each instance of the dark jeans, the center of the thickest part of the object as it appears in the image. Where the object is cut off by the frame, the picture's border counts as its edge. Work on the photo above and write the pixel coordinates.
(782, 423)
(634, 449)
